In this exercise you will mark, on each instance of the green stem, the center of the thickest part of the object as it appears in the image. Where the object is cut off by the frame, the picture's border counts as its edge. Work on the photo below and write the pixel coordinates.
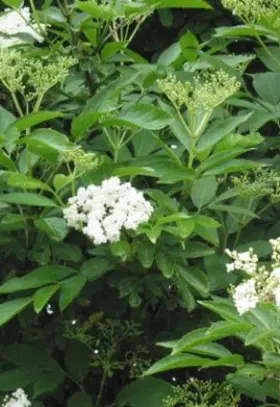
(16, 103)
(101, 388)
(32, 5)
(269, 53)
(241, 224)
(169, 151)
(38, 103)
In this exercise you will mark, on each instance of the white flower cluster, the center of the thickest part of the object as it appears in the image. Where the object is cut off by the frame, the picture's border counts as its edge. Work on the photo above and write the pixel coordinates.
(245, 296)
(17, 27)
(17, 399)
(101, 212)
(246, 261)
(263, 286)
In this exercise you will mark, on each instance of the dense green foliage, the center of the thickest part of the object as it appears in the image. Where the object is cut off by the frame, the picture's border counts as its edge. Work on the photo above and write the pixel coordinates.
(180, 98)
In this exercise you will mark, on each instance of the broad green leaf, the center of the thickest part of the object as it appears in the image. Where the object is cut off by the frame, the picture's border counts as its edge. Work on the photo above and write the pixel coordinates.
(77, 360)
(146, 117)
(148, 391)
(248, 386)
(232, 360)
(223, 329)
(37, 278)
(177, 127)
(219, 130)
(203, 191)
(67, 252)
(187, 299)
(208, 234)
(55, 228)
(13, 3)
(18, 378)
(27, 198)
(270, 60)
(222, 307)
(170, 55)
(145, 252)
(79, 399)
(271, 360)
(192, 340)
(6, 161)
(70, 289)
(47, 382)
(211, 349)
(194, 250)
(47, 143)
(121, 249)
(175, 362)
(218, 277)
(257, 335)
(266, 85)
(26, 182)
(196, 278)
(107, 99)
(32, 119)
(179, 3)
(82, 123)
(241, 31)
(218, 158)
(96, 10)
(175, 217)
(10, 309)
(42, 297)
(206, 221)
(236, 165)
(60, 181)
(165, 263)
(232, 209)
(96, 268)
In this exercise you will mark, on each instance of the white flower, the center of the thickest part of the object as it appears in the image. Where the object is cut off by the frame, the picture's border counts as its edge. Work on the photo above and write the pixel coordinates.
(276, 294)
(17, 399)
(276, 274)
(101, 212)
(245, 261)
(17, 27)
(245, 296)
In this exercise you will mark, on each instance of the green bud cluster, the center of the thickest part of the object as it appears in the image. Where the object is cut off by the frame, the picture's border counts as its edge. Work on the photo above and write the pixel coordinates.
(43, 76)
(206, 92)
(198, 393)
(82, 160)
(12, 69)
(32, 77)
(260, 182)
(253, 11)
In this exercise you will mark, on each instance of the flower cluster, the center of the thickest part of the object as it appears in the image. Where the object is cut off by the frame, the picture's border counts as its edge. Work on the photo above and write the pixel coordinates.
(246, 261)
(18, 73)
(253, 11)
(206, 92)
(199, 393)
(43, 76)
(83, 161)
(17, 399)
(263, 285)
(259, 182)
(101, 212)
(17, 27)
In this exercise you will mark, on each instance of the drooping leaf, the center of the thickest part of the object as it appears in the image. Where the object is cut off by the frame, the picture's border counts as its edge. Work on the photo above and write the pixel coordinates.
(27, 198)
(148, 391)
(11, 308)
(42, 297)
(37, 278)
(70, 289)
